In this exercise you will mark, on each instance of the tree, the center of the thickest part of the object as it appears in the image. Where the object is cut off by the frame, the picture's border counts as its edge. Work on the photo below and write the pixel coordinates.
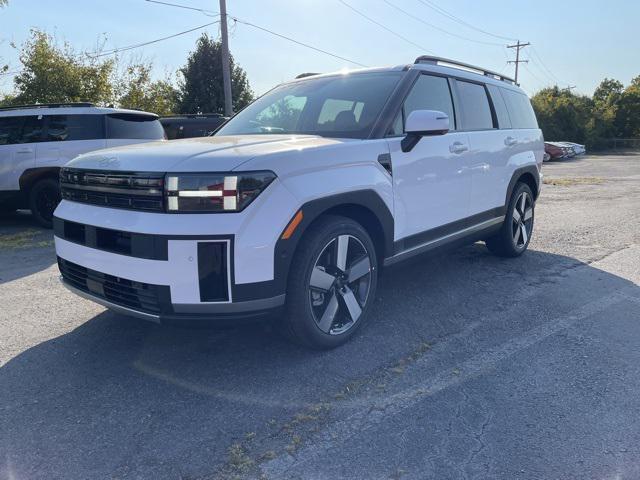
(202, 84)
(562, 115)
(628, 118)
(137, 90)
(57, 74)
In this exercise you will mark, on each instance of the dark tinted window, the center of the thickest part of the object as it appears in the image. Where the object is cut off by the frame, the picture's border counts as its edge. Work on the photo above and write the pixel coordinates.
(476, 113)
(520, 110)
(133, 126)
(428, 93)
(337, 106)
(32, 130)
(500, 107)
(20, 130)
(74, 127)
(10, 129)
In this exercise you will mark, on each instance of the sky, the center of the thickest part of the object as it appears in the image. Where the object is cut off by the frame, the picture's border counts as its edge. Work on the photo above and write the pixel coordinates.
(574, 43)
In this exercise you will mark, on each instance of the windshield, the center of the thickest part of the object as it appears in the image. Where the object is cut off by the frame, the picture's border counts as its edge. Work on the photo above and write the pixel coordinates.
(344, 106)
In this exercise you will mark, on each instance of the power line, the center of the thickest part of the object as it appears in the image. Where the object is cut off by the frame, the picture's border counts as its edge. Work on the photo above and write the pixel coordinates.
(264, 29)
(138, 45)
(549, 72)
(451, 16)
(384, 27)
(208, 13)
(540, 82)
(441, 29)
(244, 22)
(127, 47)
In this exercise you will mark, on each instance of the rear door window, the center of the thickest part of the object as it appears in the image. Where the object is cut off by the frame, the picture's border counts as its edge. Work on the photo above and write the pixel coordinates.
(520, 110)
(504, 121)
(133, 126)
(74, 127)
(476, 112)
(32, 129)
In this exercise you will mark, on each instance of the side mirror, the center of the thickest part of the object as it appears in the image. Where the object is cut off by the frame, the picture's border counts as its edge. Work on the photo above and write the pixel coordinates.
(422, 123)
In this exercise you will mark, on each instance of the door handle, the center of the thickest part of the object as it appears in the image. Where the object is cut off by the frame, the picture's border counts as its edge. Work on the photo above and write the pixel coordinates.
(25, 150)
(510, 141)
(458, 147)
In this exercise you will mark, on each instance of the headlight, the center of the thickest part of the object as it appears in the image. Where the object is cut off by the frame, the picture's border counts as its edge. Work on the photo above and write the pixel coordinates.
(214, 192)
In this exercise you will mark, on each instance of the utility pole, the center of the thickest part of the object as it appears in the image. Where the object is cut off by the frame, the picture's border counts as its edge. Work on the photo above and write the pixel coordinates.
(517, 61)
(226, 69)
(569, 88)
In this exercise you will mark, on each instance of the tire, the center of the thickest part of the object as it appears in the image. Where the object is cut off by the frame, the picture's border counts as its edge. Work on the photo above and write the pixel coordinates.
(332, 283)
(515, 234)
(43, 200)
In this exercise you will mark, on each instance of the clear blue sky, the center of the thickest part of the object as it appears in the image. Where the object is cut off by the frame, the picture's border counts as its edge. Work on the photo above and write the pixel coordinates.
(581, 42)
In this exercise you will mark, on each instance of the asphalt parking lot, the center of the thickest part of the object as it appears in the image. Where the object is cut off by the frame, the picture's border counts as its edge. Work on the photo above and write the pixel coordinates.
(471, 367)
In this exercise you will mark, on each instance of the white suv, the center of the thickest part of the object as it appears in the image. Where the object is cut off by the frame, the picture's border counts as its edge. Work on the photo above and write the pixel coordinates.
(36, 140)
(296, 203)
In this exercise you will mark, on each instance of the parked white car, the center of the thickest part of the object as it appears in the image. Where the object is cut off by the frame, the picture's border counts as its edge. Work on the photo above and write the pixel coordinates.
(297, 203)
(36, 140)
(578, 149)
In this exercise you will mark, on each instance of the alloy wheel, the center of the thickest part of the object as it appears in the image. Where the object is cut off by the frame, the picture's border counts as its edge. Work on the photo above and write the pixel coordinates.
(522, 220)
(339, 284)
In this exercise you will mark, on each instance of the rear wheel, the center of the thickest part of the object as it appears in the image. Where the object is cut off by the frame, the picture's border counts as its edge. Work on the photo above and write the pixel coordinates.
(43, 200)
(513, 238)
(332, 283)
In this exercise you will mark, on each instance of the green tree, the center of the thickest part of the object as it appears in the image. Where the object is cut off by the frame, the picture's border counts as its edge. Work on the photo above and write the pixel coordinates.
(628, 118)
(202, 84)
(137, 90)
(52, 73)
(562, 115)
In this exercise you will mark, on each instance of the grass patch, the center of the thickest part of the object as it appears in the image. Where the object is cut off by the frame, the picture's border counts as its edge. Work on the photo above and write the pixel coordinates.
(22, 239)
(571, 181)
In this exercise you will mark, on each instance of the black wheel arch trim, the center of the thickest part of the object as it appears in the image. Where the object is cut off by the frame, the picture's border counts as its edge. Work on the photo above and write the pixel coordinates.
(312, 210)
(32, 175)
(517, 175)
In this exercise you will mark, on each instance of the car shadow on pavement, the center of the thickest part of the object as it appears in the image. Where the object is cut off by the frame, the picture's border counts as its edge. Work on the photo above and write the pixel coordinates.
(25, 247)
(118, 396)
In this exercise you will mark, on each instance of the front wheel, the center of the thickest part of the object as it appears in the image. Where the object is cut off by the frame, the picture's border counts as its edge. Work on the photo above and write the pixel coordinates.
(513, 238)
(43, 200)
(332, 283)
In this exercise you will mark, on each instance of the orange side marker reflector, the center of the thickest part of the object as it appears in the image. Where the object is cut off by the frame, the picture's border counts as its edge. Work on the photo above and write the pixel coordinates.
(293, 224)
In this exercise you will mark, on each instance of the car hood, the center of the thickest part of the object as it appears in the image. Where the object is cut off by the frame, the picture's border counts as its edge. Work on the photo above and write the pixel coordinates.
(223, 153)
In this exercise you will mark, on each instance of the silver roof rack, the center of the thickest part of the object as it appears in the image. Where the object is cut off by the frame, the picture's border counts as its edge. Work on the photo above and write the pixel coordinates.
(445, 62)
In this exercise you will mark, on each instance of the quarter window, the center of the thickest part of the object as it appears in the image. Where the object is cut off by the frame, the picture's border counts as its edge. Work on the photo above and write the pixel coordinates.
(476, 112)
(504, 121)
(74, 127)
(520, 110)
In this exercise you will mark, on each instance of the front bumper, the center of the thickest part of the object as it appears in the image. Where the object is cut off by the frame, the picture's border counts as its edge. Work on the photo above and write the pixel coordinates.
(235, 311)
(129, 262)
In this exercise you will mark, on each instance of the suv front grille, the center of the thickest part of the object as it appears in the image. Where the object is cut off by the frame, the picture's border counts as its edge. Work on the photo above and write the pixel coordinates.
(134, 191)
(139, 296)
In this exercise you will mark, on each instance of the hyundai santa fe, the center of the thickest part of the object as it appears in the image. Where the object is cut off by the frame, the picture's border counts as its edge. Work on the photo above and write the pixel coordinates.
(299, 200)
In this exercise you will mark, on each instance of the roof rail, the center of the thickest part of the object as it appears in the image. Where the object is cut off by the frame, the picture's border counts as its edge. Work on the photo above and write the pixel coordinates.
(464, 66)
(306, 74)
(48, 105)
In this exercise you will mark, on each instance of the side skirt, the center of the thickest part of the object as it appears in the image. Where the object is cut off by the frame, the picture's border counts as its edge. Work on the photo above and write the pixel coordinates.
(469, 234)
